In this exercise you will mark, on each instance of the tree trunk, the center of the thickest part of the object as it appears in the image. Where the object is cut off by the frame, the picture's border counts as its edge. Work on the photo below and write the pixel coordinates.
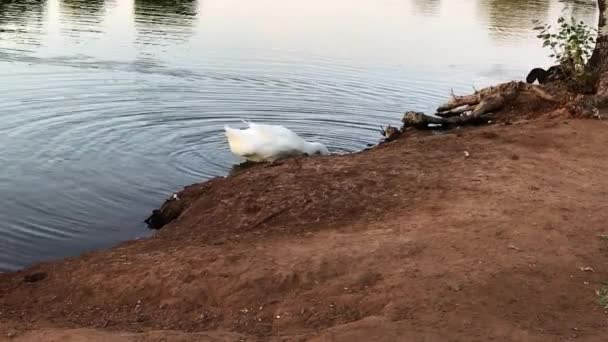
(598, 63)
(597, 67)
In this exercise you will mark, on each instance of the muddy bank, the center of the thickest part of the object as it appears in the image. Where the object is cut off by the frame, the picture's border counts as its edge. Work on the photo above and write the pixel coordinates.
(412, 238)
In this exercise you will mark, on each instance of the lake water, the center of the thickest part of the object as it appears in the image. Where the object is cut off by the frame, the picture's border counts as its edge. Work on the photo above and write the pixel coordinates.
(107, 107)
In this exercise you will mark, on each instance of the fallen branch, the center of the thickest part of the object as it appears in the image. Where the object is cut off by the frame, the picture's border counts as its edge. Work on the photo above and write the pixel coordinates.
(420, 120)
(456, 111)
(542, 94)
(491, 98)
(459, 101)
(474, 109)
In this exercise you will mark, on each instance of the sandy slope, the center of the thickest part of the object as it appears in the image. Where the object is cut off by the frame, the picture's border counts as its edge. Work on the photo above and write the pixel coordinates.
(411, 241)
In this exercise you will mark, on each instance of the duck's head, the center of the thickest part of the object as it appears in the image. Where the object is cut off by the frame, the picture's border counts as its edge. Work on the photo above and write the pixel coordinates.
(316, 148)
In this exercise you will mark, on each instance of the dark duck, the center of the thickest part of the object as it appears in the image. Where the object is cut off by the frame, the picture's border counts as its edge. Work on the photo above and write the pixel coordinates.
(554, 73)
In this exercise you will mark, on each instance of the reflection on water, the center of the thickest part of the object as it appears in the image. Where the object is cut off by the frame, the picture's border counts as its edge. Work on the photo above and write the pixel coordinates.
(508, 18)
(580, 9)
(80, 19)
(110, 106)
(90, 11)
(171, 12)
(21, 21)
(160, 21)
(426, 7)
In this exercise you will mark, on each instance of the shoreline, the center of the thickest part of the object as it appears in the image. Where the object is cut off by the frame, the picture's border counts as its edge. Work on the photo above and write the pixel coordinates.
(493, 231)
(408, 238)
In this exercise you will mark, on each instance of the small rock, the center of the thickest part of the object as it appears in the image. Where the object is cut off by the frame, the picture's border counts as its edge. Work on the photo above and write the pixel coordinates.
(575, 329)
(467, 154)
(278, 317)
(34, 277)
(514, 247)
(10, 334)
(586, 269)
(391, 133)
(455, 287)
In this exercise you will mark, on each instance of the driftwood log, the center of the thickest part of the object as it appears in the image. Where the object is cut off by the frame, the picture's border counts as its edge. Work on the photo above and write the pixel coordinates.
(420, 120)
(475, 109)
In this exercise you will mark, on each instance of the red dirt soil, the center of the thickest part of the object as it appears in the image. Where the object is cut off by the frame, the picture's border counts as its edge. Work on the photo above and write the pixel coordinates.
(409, 241)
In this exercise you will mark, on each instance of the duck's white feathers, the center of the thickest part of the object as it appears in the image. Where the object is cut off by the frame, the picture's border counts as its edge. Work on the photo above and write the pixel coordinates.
(261, 142)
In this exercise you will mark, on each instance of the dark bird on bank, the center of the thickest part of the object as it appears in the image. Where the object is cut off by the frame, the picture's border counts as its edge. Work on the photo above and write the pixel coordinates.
(554, 73)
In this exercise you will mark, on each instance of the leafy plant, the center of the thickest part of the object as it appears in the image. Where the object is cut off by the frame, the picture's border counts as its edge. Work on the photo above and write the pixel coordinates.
(571, 44)
(602, 295)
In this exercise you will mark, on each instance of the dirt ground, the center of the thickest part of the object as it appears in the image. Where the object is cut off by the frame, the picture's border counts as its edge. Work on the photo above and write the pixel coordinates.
(410, 241)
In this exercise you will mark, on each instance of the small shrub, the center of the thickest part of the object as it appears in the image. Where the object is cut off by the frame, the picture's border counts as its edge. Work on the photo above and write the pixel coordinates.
(602, 297)
(571, 44)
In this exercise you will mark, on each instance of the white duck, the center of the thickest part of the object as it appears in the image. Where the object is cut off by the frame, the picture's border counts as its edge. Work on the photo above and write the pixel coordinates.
(259, 143)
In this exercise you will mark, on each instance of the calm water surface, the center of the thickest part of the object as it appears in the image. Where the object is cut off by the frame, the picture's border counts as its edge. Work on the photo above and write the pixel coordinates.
(107, 107)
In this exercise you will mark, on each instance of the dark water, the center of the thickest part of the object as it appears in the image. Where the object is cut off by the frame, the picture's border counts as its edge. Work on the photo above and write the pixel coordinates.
(107, 107)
